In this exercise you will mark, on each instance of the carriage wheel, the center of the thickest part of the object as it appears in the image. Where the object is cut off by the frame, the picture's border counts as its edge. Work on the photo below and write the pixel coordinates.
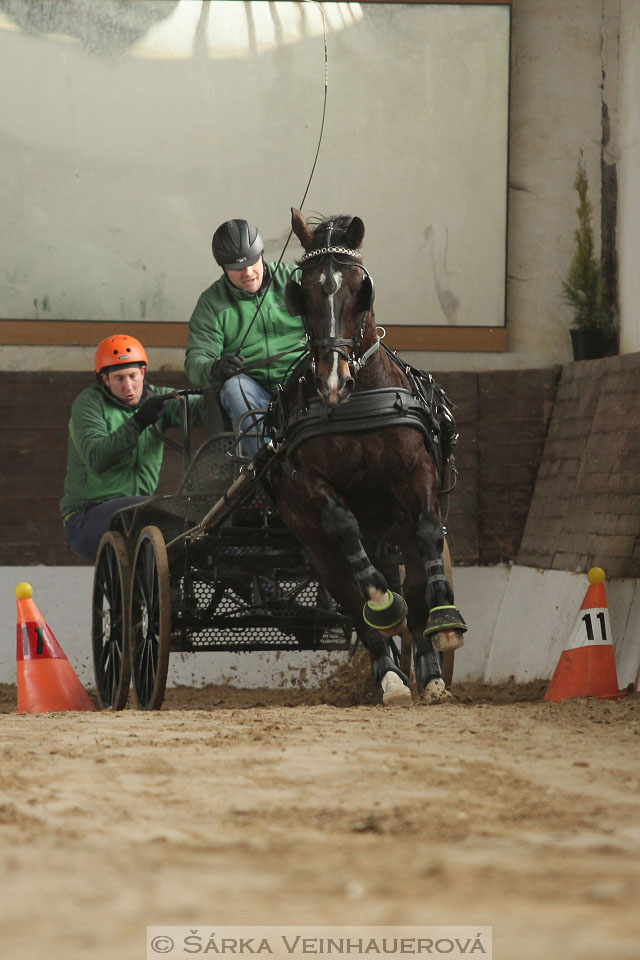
(110, 622)
(150, 619)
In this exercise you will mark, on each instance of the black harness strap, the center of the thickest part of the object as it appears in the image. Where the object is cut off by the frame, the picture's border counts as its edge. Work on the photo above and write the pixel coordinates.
(363, 411)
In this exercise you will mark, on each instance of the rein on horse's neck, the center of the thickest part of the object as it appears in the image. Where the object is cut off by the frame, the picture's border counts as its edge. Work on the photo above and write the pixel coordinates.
(378, 371)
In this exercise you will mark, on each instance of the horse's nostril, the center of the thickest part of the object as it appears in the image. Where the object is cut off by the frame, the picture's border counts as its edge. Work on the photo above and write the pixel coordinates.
(347, 386)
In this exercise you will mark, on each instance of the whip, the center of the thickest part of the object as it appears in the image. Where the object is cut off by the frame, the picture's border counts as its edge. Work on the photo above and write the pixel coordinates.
(313, 168)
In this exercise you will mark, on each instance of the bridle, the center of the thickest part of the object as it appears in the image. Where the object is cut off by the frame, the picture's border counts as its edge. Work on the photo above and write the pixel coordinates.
(341, 256)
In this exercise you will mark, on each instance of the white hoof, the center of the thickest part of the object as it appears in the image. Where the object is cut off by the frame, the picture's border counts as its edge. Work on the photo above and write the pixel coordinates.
(436, 692)
(395, 693)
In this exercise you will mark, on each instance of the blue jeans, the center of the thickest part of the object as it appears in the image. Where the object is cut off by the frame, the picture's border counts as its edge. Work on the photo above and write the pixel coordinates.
(239, 394)
(84, 530)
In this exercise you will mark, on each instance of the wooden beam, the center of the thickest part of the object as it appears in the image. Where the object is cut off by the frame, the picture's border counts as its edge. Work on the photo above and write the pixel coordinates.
(470, 339)
(88, 333)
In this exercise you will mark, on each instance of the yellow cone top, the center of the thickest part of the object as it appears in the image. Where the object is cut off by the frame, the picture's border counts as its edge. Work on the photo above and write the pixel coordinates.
(24, 591)
(596, 575)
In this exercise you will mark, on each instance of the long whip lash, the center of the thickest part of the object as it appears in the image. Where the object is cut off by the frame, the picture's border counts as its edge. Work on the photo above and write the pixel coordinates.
(313, 168)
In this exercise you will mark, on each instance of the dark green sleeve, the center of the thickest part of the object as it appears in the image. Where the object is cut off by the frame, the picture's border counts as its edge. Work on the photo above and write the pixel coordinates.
(97, 447)
(204, 343)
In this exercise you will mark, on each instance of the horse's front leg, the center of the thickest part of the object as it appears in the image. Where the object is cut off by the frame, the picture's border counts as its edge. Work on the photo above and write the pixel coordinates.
(382, 606)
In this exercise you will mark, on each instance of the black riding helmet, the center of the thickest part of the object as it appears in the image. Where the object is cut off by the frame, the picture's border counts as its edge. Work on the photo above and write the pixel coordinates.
(237, 244)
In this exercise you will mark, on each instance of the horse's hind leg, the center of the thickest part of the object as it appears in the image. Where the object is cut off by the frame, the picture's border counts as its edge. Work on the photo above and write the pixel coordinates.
(426, 660)
(447, 656)
(339, 523)
(445, 626)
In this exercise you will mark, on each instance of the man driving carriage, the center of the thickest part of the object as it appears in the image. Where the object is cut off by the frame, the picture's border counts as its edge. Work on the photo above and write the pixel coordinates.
(242, 341)
(113, 459)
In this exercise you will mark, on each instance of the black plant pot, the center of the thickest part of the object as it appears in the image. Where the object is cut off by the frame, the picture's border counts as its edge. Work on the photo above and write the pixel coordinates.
(589, 344)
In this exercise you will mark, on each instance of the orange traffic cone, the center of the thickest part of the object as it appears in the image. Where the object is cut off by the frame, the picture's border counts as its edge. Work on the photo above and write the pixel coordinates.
(587, 666)
(46, 679)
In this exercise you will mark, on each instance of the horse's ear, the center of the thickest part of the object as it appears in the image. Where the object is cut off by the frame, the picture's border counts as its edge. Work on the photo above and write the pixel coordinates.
(355, 234)
(300, 228)
(366, 295)
(293, 298)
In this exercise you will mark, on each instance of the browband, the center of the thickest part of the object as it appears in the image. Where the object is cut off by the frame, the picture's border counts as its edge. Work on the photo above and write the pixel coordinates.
(323, 251)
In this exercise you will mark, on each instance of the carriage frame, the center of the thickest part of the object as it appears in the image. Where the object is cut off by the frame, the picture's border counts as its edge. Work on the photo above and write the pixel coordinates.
(209, 568)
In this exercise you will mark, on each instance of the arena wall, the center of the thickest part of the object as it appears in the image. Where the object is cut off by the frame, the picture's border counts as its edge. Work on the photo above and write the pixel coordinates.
(502, 418)
(563, 440)
(519, 618)
(585, 508)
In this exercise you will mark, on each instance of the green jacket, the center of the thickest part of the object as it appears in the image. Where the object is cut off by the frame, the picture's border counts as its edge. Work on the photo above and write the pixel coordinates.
(108, 456)
(222, 316)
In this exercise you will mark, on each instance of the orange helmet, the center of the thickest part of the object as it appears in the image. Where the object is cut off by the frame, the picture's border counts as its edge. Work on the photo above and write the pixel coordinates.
(120, 350)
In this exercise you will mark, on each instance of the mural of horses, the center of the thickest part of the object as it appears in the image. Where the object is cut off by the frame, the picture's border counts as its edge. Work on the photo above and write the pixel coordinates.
(361, 467)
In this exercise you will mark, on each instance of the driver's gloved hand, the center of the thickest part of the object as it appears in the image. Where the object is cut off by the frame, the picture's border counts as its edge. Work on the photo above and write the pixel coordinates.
(227, 367)
(150, 411)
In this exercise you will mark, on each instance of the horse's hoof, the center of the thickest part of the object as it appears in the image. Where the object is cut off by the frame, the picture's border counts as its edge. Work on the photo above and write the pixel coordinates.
(445, 640)
(395, 693)
(436, 692)
(388, 616)
(444, 620)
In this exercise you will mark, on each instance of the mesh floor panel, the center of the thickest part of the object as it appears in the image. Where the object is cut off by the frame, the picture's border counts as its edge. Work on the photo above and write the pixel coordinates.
(253, 612)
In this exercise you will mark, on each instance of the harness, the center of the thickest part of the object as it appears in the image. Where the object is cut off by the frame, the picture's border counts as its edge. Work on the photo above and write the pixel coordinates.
(363, 411)
(422, 405)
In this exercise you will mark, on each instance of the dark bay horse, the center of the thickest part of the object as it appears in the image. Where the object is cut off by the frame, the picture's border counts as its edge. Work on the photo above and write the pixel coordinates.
(358, 469)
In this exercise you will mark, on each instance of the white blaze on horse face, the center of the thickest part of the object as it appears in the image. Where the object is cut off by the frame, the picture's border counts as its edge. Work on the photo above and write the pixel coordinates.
(333, 383)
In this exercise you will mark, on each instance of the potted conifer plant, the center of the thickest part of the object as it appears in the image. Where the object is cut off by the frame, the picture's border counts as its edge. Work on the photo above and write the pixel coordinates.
(592, 328)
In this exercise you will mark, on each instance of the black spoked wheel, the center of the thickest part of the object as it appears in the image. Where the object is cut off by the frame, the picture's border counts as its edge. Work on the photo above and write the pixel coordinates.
(110, 622)
(150, 619)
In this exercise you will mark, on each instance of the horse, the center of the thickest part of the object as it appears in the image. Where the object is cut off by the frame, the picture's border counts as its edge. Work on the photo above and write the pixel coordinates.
(360, 467)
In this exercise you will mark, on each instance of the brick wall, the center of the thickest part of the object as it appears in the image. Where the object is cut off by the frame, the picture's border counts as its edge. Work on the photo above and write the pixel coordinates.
(586, 504)
(502, 419)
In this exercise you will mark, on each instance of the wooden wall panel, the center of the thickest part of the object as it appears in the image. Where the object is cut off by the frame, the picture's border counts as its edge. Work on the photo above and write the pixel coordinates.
(501, 416)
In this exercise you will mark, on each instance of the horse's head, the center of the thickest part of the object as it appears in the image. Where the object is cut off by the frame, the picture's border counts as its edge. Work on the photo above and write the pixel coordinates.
(335, 299)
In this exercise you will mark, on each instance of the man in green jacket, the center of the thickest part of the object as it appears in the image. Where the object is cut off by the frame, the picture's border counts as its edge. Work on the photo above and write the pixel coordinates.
(113, 458)
(242, 341)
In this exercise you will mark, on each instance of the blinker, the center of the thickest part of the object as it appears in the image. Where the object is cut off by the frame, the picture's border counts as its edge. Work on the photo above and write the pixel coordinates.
(293, 298)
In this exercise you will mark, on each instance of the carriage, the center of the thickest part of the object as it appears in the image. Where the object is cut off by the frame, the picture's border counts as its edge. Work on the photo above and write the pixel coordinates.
(341, 506)
(209, 568)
